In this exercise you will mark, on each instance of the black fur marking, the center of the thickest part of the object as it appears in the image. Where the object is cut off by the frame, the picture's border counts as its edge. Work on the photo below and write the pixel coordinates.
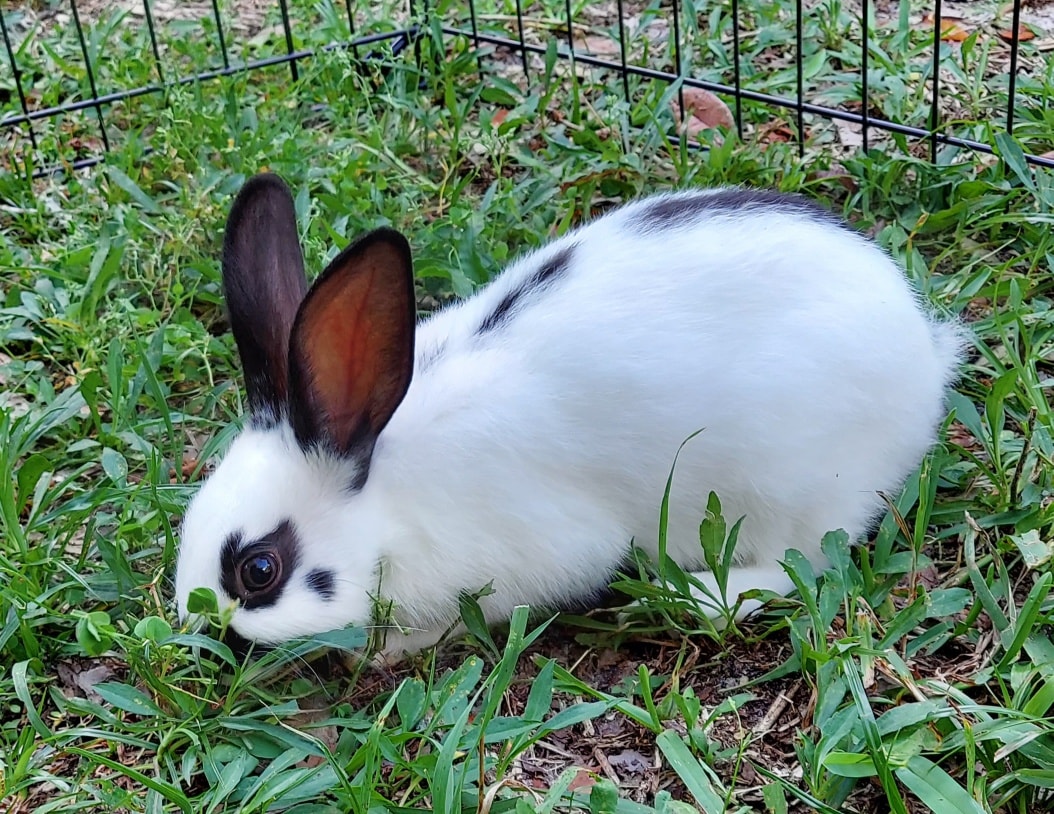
(672, 213)
(282, 543)
(264, 420)
(429, 356)
(546, 275)
(321, 582)
(228, 555)
(362, 474)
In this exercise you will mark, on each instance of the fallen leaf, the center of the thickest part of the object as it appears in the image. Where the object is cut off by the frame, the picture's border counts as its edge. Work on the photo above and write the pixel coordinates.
(79, 677)
(499, 117)
(960, 436)
(585, 779)
(1024, 34)
(953, 29)
(630, 761)
(839, 174)
(775, 132)
(600, 46)
(850, 134)
(703, 110)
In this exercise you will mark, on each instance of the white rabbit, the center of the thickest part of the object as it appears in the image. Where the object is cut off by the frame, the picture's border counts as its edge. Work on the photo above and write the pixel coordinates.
(528, 438)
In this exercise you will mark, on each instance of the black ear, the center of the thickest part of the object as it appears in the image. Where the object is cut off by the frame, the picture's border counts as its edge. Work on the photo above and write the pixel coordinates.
(264, 284)
(351, 354)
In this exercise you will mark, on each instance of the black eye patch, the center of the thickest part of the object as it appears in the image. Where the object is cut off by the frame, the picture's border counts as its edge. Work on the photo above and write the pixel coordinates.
(321, 582)
(257, 572)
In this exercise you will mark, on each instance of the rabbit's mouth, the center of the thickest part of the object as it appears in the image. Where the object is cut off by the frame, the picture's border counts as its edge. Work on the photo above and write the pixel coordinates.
(241, 646)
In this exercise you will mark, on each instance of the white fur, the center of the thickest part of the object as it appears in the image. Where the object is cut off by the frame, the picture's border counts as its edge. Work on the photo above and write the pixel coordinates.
(530, 456)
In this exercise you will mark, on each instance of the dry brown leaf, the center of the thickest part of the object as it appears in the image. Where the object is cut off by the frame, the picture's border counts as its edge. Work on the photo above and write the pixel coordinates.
(78, 677)
(598, 45)
(776, 131)
(1024, 34)
(953, 29)
(584, 779)
(630, 761)
(703, 110)
(850, 134)
(499, 117)
(840, 175)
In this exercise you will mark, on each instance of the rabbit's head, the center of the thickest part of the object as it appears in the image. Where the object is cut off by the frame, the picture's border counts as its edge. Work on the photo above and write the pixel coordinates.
(281, 527)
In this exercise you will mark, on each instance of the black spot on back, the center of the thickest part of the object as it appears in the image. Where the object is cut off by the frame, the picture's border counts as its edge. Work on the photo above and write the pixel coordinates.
(362, 474)
(321, 582)
(429, 356)
(282, 541)
(683, 210)
(546, 275)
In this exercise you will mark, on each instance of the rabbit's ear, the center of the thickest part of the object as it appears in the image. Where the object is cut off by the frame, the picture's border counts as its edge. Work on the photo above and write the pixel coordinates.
(263, 284)
(351, 354)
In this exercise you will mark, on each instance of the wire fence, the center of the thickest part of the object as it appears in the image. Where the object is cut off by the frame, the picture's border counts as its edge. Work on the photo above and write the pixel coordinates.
(929, 80)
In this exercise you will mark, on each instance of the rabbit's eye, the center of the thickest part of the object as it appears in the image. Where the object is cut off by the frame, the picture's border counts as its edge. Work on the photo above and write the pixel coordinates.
(260, 570)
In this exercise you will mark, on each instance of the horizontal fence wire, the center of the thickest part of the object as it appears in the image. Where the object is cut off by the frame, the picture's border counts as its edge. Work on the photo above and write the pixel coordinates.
(516, 42)
(741, 93)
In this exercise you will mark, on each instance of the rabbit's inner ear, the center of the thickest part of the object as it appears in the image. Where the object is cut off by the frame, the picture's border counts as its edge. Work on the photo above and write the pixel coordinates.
(351, 353)
(264, 284)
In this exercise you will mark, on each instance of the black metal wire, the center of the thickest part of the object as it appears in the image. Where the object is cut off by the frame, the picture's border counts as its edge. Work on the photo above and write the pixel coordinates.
(219, 33)
(18, 81)
(799, 38)
(399, 39)
(570, 30)
(865, 96)
(94, 101)
(767, 99)
(571, 55)
(737, 71)
(289, 47)
(622, 50)
(351, 28)
(153, 41)
(935, 102)
(522, 44)
(677, 56)
(680, 74)
(1015, 45)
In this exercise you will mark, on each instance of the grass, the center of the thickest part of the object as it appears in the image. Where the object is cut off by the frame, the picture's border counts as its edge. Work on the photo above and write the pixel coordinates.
(916, 674)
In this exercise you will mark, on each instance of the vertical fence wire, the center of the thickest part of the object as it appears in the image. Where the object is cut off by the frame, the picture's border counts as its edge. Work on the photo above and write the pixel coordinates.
(91, 75)
(153, 41)
(737, 73)
(17, 73)
(677, 58)
(623, 46)
(523, 42)
(865, 96)
(1015, 44)
(473, 22)
(934, 132)
(573, 58)
(935, 110)
(351, 28)
(799, 99)
(219, 33)
(287, 29)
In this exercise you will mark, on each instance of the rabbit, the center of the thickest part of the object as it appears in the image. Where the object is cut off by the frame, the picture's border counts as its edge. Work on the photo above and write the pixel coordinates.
(522, 438)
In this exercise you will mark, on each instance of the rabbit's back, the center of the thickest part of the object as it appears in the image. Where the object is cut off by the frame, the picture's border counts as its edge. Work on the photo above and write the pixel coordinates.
(563, 391)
